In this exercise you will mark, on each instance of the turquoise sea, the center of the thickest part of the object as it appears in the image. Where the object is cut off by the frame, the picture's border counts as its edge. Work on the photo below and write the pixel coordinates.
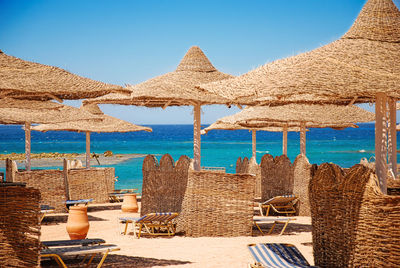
(220, 148)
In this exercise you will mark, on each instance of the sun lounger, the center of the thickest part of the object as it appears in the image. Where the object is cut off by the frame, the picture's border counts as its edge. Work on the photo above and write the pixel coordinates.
(85, 202)
(153, 223)
(76, 242)
(277, 256)
(275, 221)
(280, 204)
(59, 253)
(44, 210)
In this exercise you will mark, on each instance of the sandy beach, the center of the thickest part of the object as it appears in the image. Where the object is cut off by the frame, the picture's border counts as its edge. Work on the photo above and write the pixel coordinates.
(177, 251)
(56, 159)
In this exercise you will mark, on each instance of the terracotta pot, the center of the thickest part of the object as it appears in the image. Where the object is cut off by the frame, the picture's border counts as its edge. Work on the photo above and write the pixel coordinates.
(130, 203)
(78, 222)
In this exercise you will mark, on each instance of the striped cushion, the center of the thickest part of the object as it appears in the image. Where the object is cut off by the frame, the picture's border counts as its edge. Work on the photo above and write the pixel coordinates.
(278, 255)
(160, 216)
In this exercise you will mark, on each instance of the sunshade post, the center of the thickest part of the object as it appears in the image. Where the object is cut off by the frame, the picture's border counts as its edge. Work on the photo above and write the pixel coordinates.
(254, 143)
(284, 140)
(28, 146)
(392, 136)
(303, 138)
(381, 140)
(87, 149)
(197, 137)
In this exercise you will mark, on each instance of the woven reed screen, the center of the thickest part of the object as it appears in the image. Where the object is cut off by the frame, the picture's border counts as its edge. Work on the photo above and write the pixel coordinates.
(164, 184)
(19, 226)
(302, 173)
(217, 204)
(242, 166)
(250, 167)
(354, 224)
(50, 183)
(94, 183)
(276, 176)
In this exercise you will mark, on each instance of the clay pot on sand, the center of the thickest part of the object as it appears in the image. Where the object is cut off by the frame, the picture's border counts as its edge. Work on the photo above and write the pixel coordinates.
(78, 222)
(130, 203)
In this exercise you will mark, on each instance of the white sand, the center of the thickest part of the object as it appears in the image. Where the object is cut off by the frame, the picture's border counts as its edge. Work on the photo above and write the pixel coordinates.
(177, 251)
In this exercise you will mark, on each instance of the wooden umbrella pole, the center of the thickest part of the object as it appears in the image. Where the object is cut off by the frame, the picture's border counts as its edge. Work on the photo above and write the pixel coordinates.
(303, 138)
(254, 143)
(284, 140)
(196, 137)
(87, 149)
(380, 140)
(392, 136)
(28, 146)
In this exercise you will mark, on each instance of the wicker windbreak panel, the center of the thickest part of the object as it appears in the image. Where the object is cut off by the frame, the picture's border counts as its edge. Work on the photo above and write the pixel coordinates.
(51, 184)
(302, 172)
(354, 224)
(217, 204)
(94, 183)
(276, 176)
(164, 184)
(19, 227)
(242, 166)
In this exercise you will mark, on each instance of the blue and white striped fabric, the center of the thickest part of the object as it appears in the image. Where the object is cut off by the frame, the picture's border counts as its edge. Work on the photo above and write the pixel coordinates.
(278, 255)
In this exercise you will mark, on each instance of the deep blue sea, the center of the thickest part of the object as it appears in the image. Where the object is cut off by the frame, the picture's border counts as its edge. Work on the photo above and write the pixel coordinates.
(220, 148)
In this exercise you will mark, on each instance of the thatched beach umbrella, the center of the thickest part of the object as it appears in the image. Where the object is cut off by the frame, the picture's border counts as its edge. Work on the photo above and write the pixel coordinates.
(177, 88)
(29, 80)
(230, 123)
(302, 116)
(362, 66)
(105, 124)
(26, 112)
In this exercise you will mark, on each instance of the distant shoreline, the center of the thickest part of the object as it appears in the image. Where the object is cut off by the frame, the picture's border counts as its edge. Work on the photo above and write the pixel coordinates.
(56, 159)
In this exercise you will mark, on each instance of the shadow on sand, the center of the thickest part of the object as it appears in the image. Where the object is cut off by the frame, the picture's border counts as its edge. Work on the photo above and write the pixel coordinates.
(114, 260)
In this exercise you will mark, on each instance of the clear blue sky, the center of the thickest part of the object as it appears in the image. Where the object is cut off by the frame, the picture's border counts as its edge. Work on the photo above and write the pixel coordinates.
(128, 42)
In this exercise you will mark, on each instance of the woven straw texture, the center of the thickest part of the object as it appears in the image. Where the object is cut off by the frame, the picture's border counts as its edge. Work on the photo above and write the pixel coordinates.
(250, 167)
(302, 173)
(50, 183)
(221, 124)
(217, 204)
(242, 166)
(365, 61)
(354, 224)
(95, 183)
(276, 176)
(19, 77)
(176, 88)
(19, 227)
(14, 111)
(313, 115)
(164, 184)
(104, 124)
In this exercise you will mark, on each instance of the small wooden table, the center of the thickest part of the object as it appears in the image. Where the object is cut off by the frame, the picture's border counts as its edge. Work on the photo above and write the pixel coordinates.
(275, 221)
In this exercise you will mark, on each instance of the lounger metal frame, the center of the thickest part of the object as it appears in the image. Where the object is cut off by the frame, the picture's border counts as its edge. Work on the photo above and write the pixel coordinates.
(153, 224)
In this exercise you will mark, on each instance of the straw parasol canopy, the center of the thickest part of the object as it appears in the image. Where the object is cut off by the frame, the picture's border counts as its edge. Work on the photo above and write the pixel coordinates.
(364, 62)
(105, 124)
(19, 112)
(230, 123)
(25, 79)
(313, 115)
(177, 88)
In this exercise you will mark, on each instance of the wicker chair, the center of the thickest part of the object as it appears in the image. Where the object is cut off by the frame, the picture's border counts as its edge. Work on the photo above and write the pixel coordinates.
(354, 223)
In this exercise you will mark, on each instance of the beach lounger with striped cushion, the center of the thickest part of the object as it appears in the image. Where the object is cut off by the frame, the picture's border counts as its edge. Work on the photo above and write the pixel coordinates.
(277, 256)
(274, 220)
(76, 242)
(61, 252)
(153, 223)
(283, 204)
